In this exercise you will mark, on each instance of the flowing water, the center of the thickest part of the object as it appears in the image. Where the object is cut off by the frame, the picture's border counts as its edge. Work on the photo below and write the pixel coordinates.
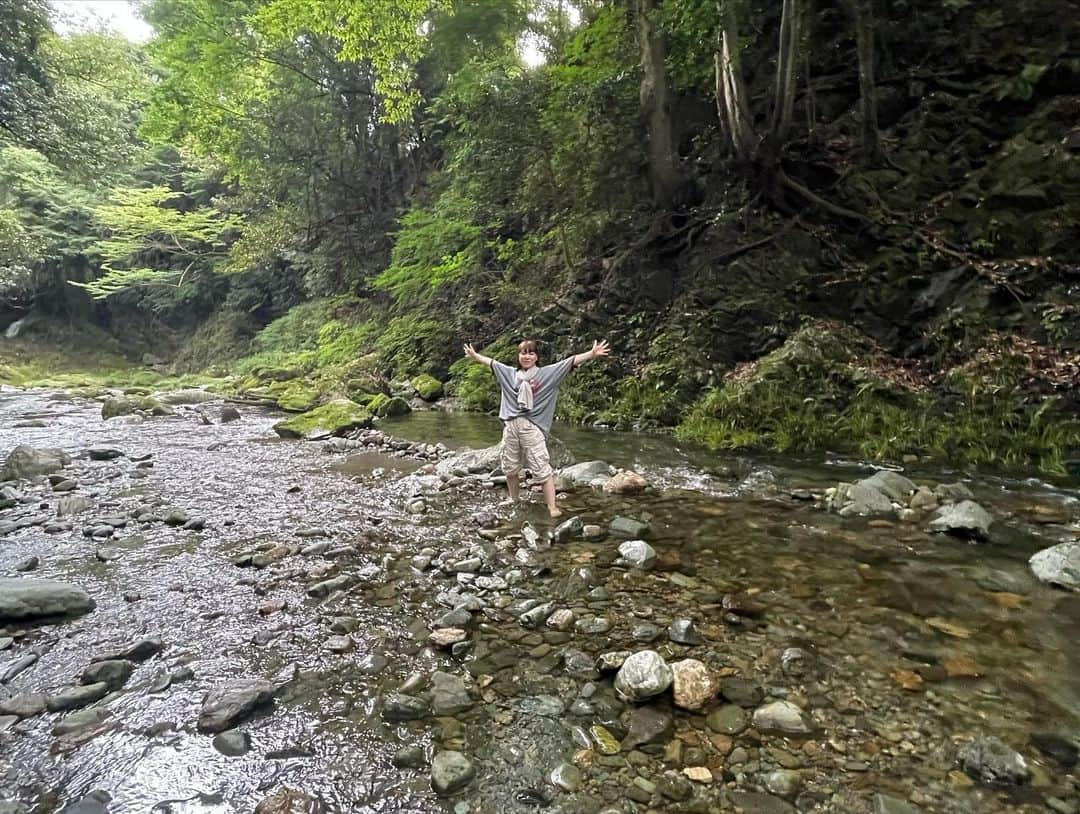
(900, 645)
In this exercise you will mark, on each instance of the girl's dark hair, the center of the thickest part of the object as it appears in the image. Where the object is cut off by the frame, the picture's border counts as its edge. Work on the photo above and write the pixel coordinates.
(530, 344)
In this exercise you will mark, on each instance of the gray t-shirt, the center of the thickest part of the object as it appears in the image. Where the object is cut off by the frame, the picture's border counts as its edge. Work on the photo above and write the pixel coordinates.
(545, 387)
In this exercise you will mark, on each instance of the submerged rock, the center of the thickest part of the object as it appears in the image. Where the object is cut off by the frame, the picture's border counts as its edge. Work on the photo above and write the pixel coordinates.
(693, 684)
(643, 675)
(782, 716)
(625, 482)
(991, 761)
(637, 554)
(451, 771)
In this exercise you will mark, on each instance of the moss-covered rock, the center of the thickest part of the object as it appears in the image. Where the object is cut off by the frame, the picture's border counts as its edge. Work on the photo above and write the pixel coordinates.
(298, 397)
(335, 418)
(129, 405)
(383, 405)
(363, 384)
(427, 387)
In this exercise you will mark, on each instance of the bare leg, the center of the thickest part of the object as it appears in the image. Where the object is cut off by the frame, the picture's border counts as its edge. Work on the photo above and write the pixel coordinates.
(513, 483)
(549, 497)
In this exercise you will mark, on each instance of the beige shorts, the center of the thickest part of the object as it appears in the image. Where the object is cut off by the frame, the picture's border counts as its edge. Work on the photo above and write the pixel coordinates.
(523, 443)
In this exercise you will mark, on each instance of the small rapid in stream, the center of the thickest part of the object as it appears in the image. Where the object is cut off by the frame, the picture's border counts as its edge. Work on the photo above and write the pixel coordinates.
(898, 646)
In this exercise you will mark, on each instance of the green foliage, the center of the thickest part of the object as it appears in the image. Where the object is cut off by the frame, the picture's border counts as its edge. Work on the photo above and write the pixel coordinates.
(24, 79)
(19, 250)
(340, 343)
(818, 392)
(473, 384)
(415, 344)
(1022, 85)
(146, 224)
(431, 250)
(101, 83)
(386, 33)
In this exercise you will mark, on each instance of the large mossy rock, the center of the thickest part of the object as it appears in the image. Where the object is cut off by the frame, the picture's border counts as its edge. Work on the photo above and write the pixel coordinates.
(427, 387)
(130, 405)
(335, 418)
(385, 406)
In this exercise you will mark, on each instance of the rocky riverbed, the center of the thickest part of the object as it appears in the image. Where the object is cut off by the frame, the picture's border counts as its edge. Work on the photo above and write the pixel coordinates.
(198, 616)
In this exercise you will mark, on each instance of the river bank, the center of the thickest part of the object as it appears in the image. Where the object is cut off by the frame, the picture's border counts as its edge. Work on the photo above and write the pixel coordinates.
(887, 648)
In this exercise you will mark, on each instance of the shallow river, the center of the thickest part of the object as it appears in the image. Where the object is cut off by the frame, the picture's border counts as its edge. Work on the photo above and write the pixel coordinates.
(898, 645)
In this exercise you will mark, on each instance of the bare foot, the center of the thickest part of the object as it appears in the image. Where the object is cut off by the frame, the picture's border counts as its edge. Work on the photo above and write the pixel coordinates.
(555, 512)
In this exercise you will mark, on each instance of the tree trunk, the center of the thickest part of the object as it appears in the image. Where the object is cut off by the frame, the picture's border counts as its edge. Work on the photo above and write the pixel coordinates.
(869, 137)
(786, 59)
(730, 89)
(664, 176)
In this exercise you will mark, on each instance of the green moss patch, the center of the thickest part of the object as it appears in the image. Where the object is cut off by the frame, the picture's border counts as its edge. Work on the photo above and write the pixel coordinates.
(427, 387)
(383, 405)
(129, 405)
(298, 398)
(335, 418)
(828, 387)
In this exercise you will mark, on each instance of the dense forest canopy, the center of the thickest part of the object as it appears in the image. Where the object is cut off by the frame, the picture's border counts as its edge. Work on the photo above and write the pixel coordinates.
(883, 192)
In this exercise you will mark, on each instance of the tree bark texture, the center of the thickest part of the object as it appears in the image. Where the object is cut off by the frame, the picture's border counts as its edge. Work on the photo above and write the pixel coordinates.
(869, 137)
(664, 175)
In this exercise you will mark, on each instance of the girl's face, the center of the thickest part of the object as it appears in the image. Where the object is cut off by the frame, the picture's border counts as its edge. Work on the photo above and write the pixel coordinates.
(526, 359)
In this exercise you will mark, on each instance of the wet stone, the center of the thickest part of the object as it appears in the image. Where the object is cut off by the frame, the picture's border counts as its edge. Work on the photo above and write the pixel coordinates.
(449, 695)
(77, 697)
(567, 777)
(606, 743)
(628, 528)
(230, 703)
(401, 707)
(991, 761)
(884, 804)
(80, 720)
(29, 564)
(693, 684)
(752, 802)
(450, 772)
(728, 719)
(409, 757)
(781, 716)
(643, 675)
(340, 644)
(683, 631)
(113, 672)
(592, 625)
(637, 554)
(447, 636)
(612, 661)
(645, 632)
(783, 782)
(647, 725)
(742, 691)
(675, 786)
(232, 743)
(1059, 748)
